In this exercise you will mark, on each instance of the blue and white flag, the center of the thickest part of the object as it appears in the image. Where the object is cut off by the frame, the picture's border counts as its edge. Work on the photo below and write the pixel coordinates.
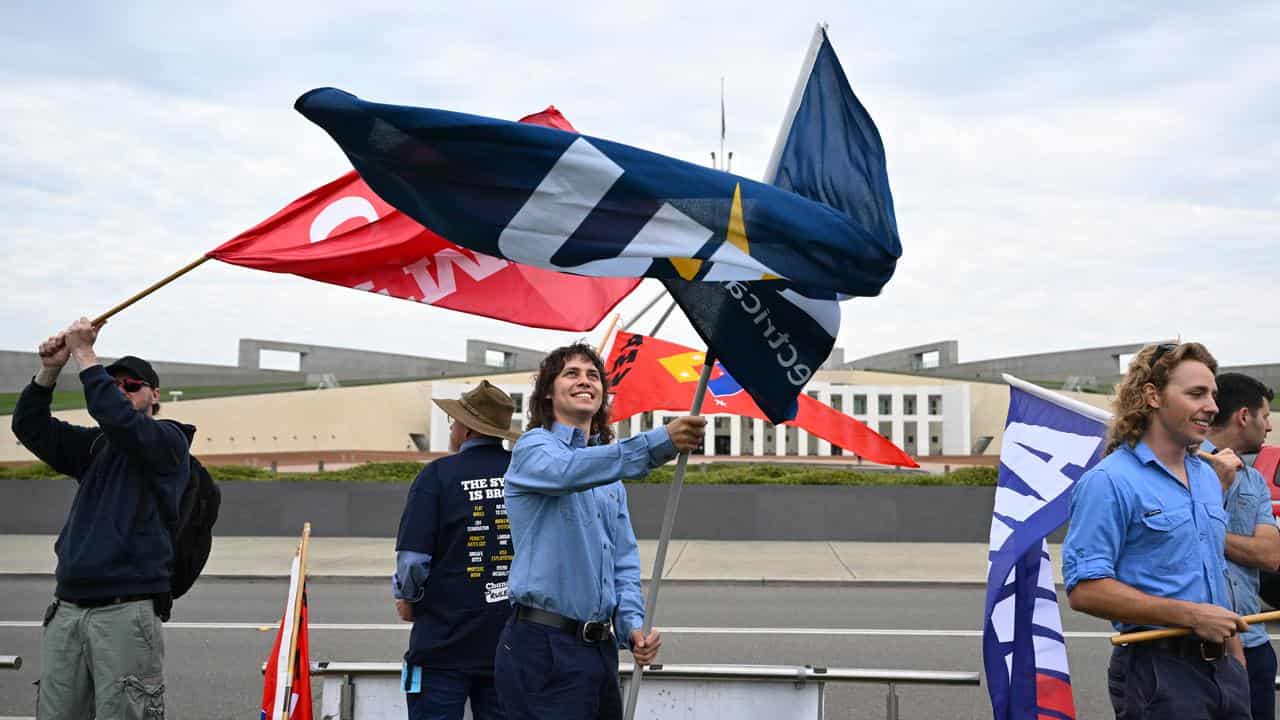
(770, 337)
(1049, 442)
(587, 206)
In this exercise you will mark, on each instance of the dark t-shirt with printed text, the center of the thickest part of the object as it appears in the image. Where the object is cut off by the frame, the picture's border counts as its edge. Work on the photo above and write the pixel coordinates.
(455, 512)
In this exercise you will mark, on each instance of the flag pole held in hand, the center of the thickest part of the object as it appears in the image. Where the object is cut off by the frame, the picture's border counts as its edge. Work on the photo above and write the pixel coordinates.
(668, 522)
(1149, 635)
(171, 277)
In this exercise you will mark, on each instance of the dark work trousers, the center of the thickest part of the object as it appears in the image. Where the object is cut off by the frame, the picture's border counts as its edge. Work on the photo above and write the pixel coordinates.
(1262, 680)
(1151, 684)
(547, 674)
(445, 692)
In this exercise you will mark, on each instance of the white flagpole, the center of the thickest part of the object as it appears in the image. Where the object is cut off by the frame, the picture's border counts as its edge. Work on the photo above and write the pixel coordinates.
(1089, 411)
(797, 94)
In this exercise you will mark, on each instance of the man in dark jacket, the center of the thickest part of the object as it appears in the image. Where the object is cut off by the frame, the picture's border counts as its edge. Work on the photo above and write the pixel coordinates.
(102, 651)
(453, 553)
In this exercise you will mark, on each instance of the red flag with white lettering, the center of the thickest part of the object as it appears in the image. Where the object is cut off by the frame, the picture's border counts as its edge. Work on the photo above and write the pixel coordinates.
(344, 234)
(648, 374)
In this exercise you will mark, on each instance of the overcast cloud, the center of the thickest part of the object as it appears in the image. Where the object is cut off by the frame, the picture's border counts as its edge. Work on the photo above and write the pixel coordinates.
(1064, 175)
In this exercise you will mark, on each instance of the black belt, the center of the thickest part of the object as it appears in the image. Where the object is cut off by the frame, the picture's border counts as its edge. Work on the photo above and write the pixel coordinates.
(592, 631)
(105, 601)
(1188, 646)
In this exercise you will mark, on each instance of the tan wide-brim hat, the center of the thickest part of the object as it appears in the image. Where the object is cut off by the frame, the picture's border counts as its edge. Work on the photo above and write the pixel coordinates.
(485, 409)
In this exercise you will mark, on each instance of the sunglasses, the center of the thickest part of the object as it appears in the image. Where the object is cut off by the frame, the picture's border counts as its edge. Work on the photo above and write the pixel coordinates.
(1162, 350)
(130, 385)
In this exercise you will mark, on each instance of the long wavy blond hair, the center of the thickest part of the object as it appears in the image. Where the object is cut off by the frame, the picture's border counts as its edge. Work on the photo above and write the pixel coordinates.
(1152, 364)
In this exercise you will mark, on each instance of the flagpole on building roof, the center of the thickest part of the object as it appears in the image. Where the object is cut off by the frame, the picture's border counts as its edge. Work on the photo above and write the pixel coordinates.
(170, 278)
(668, 523)
(662, 320)
(628, 324)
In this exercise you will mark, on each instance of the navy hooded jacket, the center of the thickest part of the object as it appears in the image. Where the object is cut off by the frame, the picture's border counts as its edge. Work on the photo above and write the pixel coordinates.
(132, 470)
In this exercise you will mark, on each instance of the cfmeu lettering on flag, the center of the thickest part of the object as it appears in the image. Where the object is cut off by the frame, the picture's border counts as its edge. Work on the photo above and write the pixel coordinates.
(352, 211)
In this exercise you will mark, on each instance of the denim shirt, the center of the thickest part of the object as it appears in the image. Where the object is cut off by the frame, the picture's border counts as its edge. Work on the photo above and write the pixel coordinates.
(575, 550)
(1248, 505)
(1134, 521)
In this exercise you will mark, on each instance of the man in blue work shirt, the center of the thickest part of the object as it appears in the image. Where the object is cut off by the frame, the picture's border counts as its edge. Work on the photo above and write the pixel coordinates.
(1253, 542)
(576, 576)
(453, 554)
(1146, 545)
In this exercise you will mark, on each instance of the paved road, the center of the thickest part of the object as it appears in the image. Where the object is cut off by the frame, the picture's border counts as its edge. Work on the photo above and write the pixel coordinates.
(213, 668)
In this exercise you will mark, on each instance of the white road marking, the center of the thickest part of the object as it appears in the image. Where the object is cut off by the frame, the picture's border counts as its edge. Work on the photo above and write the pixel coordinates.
(829, 632)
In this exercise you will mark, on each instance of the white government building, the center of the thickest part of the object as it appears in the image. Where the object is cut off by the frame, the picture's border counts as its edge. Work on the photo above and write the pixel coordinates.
(925, 416)
(923, 420)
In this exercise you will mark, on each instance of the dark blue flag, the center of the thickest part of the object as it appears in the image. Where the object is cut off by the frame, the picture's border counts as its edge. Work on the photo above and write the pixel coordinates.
(587, 206)
(1049, 442)
(770, 337)
(768, 263)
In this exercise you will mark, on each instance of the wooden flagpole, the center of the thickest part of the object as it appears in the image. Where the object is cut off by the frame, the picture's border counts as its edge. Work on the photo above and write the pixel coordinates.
(170, 278)
(1149, 635)
(608, 333)
(293, 614)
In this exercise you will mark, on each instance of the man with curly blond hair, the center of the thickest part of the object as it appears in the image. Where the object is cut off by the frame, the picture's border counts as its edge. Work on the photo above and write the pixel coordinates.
(1146, 544)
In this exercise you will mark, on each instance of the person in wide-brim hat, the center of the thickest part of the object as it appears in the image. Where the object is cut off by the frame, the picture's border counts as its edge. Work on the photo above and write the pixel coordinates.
(484, 409)
(453, 555)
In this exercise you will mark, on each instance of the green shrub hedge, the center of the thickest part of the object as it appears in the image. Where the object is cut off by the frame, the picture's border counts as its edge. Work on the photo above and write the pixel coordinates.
(702, 474)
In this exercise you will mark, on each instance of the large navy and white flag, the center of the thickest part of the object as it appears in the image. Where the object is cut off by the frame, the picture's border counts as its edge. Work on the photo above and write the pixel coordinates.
(587, 206)
(771, 338)
(1049, 442)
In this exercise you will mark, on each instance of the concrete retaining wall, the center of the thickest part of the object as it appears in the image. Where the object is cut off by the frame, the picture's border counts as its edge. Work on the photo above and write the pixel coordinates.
(719, 512)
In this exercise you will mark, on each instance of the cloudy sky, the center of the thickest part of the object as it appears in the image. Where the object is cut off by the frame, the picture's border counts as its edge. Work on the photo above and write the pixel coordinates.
(1065, 175)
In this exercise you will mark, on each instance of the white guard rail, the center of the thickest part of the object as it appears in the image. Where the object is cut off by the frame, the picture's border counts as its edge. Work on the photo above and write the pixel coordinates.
(371, 690)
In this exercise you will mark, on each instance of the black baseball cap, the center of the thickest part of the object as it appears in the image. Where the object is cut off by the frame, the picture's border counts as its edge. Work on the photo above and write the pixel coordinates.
(136, 367)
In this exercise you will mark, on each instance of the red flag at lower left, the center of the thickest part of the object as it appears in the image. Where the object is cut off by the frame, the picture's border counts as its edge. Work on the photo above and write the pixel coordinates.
(299, 704)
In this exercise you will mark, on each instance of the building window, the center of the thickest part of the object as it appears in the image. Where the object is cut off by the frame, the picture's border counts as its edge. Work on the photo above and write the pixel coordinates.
(935, 404)
(517, 399)
(886, 404)
(837, 402)
(908, 404)
(886, 430)
(859, 404)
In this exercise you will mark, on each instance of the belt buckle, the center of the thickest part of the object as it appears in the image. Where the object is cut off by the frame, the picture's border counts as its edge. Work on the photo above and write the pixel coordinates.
(594, 631)
(1206, 658)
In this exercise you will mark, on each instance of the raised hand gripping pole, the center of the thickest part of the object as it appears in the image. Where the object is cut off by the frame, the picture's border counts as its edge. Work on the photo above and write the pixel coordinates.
(668, 522)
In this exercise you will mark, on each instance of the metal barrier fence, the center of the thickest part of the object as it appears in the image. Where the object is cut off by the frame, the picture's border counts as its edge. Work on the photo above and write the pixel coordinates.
(369, 690)
(10, 662)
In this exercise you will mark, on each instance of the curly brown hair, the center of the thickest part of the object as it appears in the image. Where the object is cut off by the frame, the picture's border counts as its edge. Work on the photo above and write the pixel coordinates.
(1151, 365)
(541, 412)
